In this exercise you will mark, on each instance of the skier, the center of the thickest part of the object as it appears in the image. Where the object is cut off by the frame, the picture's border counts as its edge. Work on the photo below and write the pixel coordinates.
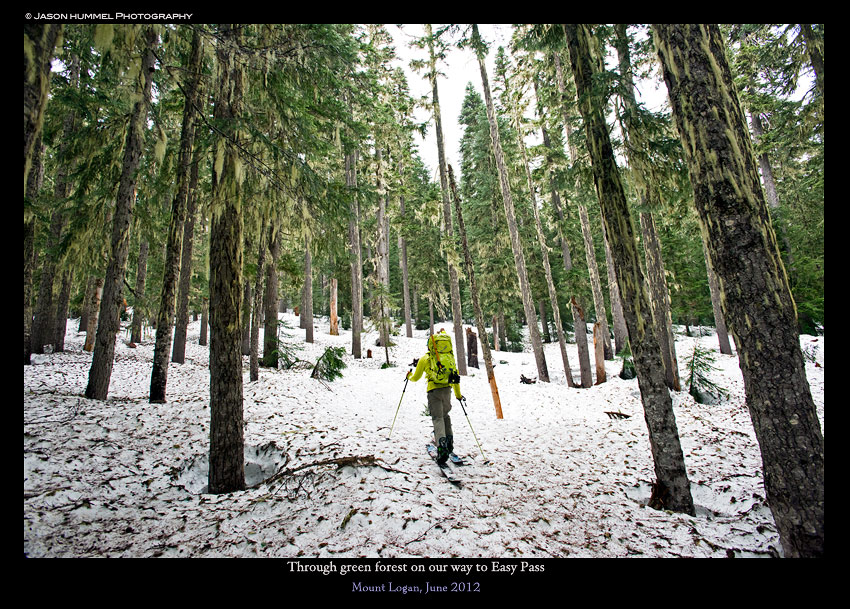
(439, 367)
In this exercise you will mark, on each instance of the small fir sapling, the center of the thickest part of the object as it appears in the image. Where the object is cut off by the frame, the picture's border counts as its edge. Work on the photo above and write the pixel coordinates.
(701, 387)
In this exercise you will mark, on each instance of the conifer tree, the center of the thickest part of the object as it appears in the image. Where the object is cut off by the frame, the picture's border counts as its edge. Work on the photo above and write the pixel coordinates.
(227, 462)
(646, 178)
(111, 301)
(672, 488)
(507, 199)
(174, 245)
(541, 238)
(435, 52)
(745, 256)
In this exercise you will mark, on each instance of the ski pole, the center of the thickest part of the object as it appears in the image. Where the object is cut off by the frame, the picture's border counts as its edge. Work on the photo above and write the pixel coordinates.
(406, 379)
(462, 400)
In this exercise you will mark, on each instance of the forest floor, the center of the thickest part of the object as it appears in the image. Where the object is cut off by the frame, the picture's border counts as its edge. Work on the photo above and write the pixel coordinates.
(126, 478)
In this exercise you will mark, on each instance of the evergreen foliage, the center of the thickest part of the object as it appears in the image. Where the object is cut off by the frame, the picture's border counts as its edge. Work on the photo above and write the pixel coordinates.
(700, 366)
(330, 364)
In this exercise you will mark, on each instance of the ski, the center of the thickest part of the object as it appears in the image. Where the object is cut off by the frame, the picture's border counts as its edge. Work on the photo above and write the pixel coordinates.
(445, 468)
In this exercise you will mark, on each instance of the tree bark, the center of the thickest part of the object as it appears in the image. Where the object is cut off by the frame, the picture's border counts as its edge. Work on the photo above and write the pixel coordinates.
(93, 307)
(111, 303)
(39, 41)
(405, 278)
(34, 183)
(580, 328)
(479, 315)
(257, 308)
(334, 324)
(544, 253)
(139, 308)
(454, 287)
(660, 300)
(621, 333)
(181, 324)
(672, 488)
(719, 321)
(227, 459)
(176, 227)
(205, 321)
(507, 200)
(308, 292)
(62, 305)
(599, 353)
(271, 300)
(641, 172)
(354, 255)
(755, 295)
(584, 220)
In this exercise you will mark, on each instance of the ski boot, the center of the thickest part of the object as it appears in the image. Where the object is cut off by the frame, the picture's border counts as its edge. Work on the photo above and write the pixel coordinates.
(443, 451)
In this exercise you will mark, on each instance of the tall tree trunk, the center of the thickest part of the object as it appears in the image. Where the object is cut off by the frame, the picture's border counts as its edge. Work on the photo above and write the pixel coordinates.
(580, 328)
(45, 309)
(641, 172)
(245, 318)
(181, 325)
(33, 186)
(87, 299)
(140, 308)
(308, 292)
(586, 232)
(271, 300)
(544, 253)
(48, 303)
(660, 299)
(62, 304)
(205, 321)
(719, 321)
(621, 334)
(257, 308)
(227, 458)
(507, 200)
(556, 198)
(334, 323)
(176, 227)
(745, 256)
(672, 488)
(93, 307)
(402, 255)
(454, 286)
(382, 255)
(39, 41)
(113, 286)
(355, 259)
(473, 288)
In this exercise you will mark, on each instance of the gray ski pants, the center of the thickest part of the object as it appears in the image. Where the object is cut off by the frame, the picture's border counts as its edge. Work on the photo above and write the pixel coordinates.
(439, 405)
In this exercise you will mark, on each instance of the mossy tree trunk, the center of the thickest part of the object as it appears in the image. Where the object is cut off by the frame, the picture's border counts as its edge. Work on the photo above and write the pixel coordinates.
(454, 286)
(271, 300)
(672, 488)
(637, 147)
(354, 255)
(176, 227)
(756, 298)
(227, 458)
(113, 286)
(181, 324)
(479, 315)
(39, 41)
(510, 215)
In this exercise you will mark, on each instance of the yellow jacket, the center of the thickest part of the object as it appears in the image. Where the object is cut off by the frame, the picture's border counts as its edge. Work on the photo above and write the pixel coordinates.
(421, 367)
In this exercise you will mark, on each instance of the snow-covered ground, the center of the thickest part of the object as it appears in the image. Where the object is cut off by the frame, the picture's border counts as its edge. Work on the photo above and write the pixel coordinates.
(127, 478)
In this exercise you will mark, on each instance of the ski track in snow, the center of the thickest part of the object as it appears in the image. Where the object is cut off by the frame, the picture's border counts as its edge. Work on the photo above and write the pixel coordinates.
(127, 478)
